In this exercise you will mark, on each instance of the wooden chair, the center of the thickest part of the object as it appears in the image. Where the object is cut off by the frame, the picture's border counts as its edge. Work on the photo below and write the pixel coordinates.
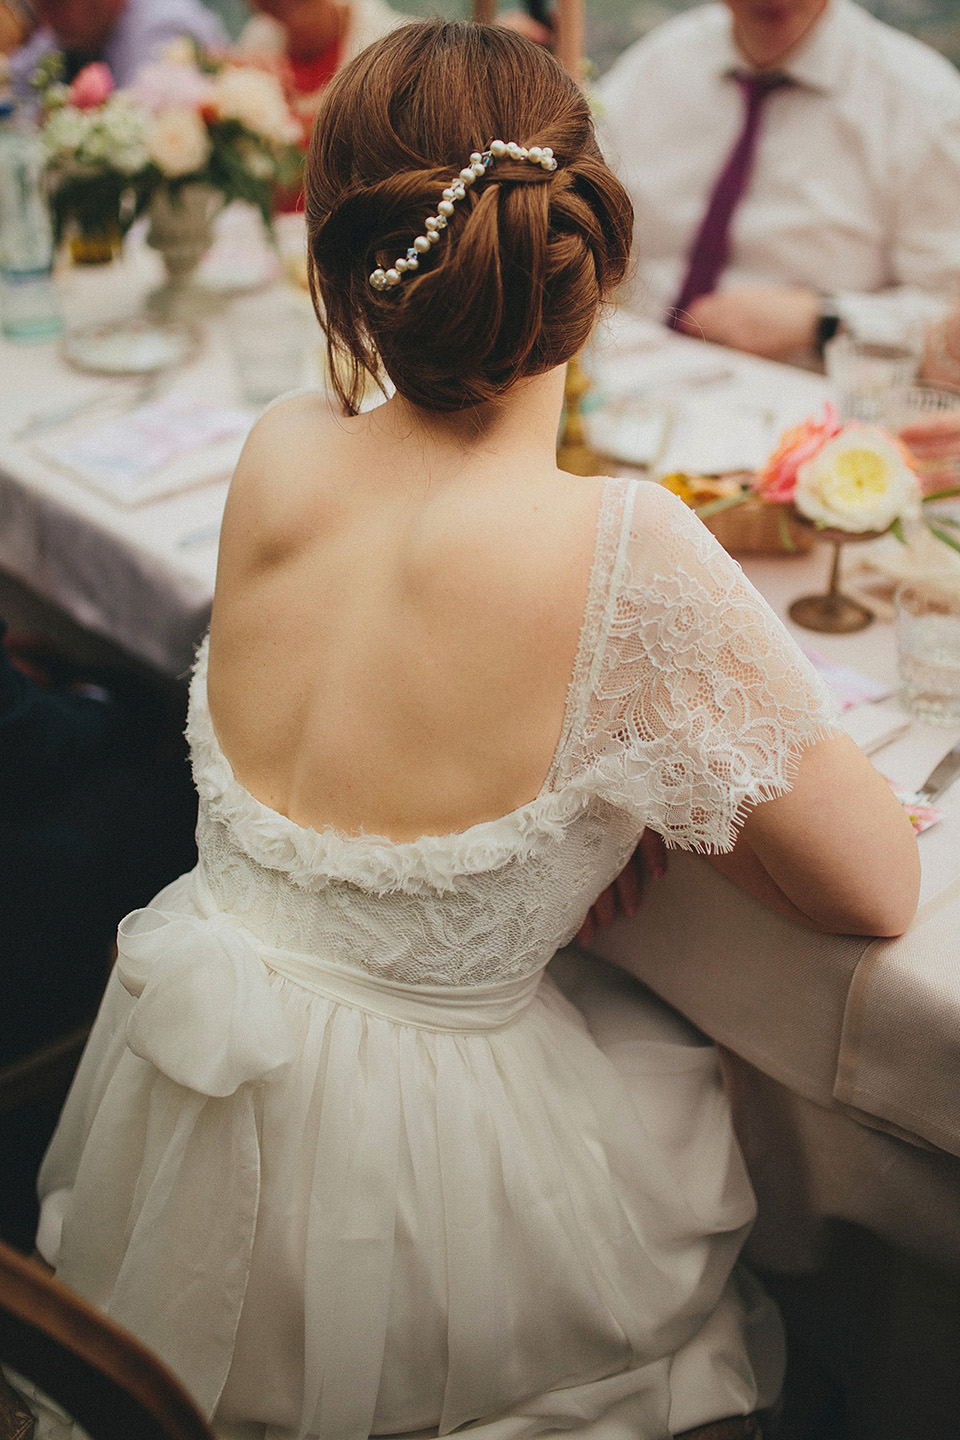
(104, 1378)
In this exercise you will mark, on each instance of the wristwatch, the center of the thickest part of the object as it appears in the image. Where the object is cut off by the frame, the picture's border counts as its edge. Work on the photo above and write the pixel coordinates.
(827, 325)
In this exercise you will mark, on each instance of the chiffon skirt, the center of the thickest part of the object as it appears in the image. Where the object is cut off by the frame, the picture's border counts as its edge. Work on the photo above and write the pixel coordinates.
(342, 1207)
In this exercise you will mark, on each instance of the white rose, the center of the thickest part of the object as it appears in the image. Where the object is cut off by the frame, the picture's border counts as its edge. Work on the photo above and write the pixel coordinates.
(257, 101)
(178, 142)
(857, 481)
(131, 156)
(126, 124)
(64, 132)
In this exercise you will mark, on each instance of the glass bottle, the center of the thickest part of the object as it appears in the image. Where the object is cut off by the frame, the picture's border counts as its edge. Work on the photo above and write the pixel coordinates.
(29, 306)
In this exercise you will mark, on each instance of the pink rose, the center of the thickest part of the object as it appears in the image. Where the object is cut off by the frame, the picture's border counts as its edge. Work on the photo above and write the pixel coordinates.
(777, 479)
(92, 86)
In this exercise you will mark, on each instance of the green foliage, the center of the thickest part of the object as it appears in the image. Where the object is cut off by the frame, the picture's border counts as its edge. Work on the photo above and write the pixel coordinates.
(99, 203)
(94, 183)
(944, 536)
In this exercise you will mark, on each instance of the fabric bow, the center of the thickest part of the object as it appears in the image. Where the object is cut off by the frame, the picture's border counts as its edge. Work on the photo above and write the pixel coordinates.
(205, 1014)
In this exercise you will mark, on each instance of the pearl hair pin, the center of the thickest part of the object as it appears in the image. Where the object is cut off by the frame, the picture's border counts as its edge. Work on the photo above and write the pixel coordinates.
(479, 164)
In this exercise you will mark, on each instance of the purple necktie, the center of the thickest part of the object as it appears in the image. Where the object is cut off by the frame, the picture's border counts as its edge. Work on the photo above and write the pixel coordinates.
(711, 248)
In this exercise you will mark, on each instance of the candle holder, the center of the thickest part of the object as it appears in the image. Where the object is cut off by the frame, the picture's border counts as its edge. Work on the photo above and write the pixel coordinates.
(573, 453)
(833, 613)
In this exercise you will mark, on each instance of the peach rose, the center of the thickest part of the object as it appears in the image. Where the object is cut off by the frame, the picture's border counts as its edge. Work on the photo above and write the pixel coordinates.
(777, 479)
(178, 142)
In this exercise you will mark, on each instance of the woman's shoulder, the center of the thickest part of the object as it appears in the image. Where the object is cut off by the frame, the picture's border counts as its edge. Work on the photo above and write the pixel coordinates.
(662, 538)
(278, 479)
(306, 416)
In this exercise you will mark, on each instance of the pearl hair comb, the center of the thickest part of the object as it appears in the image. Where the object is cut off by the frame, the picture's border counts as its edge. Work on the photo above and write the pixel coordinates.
(540, 155)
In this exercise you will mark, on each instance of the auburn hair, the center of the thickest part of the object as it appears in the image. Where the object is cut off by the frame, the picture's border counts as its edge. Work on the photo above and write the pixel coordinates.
(528, 256)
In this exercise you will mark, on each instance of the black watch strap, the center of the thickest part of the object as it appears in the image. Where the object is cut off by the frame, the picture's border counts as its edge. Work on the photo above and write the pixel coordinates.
(827, 325)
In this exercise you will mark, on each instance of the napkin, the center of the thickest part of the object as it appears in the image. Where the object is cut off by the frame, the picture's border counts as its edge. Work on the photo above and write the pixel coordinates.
(874, 725)
(716, 437)
(170, 444)
(851, 687)
(635, 433)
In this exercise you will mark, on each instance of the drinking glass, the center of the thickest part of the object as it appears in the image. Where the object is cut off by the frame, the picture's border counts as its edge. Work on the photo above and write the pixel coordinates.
(269, 338)
(928, 649)
(937, 460)
(866, 376)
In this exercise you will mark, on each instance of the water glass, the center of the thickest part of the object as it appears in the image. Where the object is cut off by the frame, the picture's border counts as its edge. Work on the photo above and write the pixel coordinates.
(937, 460)
(928, 649)
(866, 376)
(269, 336)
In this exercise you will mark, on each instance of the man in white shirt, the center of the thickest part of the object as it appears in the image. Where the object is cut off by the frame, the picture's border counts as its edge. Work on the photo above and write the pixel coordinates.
(851, 207)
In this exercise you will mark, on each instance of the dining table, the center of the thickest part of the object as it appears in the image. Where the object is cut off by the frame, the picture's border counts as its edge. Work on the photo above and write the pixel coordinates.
(843, 1051)
(140, 575)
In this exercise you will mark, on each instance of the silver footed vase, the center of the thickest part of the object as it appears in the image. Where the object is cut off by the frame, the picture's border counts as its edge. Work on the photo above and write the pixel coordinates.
(181, 230)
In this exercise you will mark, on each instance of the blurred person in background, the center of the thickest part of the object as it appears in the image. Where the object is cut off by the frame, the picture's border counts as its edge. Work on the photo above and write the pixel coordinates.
(794, 165)
(309, 40)
(17, 21)
(125, 34)
(941, 351)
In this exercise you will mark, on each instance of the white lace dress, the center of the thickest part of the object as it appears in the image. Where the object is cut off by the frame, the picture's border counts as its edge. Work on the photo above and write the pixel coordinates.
(345, 1156)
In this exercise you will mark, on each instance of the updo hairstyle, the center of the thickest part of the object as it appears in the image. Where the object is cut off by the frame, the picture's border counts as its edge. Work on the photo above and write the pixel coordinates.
(514, 284)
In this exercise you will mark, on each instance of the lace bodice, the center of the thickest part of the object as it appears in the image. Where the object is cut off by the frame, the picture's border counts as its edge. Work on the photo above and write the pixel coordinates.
(688, 704)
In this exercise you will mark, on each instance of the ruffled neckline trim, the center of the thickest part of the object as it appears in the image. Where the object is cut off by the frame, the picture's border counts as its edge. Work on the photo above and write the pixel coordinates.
(374, 862)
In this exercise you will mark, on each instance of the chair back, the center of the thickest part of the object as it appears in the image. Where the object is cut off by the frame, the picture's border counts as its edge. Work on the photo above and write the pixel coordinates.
(106, 1380)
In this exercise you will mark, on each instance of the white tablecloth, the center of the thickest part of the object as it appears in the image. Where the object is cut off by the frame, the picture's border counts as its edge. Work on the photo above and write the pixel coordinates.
(849, 1104)
(141, 577)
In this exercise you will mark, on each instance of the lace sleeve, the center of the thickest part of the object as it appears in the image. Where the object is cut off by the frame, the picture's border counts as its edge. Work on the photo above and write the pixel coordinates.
(698, 702)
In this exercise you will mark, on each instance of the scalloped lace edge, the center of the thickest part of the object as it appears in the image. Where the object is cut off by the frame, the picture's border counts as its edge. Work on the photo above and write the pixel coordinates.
(431, 862)
(756, 794)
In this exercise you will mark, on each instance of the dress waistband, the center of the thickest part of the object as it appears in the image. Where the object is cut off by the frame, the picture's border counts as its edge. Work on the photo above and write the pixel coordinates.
(207, 1016)
(428, 1007)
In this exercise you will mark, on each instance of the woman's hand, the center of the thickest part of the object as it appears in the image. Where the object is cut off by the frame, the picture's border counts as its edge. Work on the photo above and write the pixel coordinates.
(623, 896)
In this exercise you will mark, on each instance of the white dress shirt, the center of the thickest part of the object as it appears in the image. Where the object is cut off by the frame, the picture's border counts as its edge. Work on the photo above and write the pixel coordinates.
(855, 190)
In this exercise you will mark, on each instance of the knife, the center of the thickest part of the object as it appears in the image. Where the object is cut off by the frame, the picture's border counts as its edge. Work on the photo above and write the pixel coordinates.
(940, 776)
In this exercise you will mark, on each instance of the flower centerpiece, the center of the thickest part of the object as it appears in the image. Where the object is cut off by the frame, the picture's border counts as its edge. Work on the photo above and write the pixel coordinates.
(841, 482)
(95, 139)
(190, 134)
(850, 481)
(851, 478)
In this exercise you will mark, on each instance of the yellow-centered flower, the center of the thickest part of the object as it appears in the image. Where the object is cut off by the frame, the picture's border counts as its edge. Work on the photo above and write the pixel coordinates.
(857, 481)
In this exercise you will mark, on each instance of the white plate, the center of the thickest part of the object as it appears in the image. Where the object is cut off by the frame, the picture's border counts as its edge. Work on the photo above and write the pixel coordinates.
(130, 347)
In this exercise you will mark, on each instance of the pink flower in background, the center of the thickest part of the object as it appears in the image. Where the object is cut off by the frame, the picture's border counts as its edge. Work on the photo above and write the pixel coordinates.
(164, 86)
(777, 479)
(92, 86)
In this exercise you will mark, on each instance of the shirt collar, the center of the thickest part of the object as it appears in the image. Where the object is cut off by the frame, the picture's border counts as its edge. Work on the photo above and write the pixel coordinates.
(817, 63)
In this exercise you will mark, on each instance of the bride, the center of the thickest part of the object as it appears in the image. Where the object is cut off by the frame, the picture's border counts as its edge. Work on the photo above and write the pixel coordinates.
(339, 1149)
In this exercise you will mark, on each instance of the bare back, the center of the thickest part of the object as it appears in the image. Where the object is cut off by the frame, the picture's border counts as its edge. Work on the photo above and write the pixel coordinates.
(396, 622)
